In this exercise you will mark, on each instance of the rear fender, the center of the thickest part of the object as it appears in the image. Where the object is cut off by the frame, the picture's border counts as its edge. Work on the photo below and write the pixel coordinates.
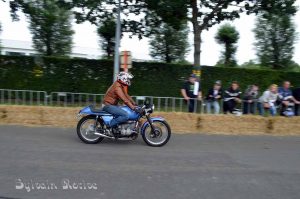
(86, 111)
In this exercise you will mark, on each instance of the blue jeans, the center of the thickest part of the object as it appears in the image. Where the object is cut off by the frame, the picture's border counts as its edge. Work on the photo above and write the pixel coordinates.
(119, 114)
(261, 109)
(215, 105)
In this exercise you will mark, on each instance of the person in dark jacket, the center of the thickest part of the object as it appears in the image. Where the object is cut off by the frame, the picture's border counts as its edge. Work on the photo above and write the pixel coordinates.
(191, 91)
(213, 98)
(286, 97)
(296, 94)
(232, 96)
(250, 99)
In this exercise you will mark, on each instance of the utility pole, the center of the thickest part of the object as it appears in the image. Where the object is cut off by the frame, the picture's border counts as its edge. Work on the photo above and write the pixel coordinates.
(117, 44)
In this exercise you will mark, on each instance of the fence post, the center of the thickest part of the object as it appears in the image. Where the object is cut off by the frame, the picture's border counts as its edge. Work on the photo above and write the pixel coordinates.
(79, 99)
(173, 104)
(9, 96)
(94, 100)
(45, 98)
(2, 96)
(38, 97)
(65, 102)
(158, 103)
(166, 104)
(180, 103)
(31, 97)
(16, 97)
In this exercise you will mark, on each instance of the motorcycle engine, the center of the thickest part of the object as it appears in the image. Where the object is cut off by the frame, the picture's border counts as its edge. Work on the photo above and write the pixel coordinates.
(126, 128)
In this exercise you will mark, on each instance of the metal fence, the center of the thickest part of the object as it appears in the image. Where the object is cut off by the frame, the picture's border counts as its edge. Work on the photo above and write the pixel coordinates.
(74, 99)
(69, 99)
(23, 97)
(166, 104)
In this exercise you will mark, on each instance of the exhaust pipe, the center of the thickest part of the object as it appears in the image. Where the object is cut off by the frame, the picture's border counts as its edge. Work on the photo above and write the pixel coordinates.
(105, 136)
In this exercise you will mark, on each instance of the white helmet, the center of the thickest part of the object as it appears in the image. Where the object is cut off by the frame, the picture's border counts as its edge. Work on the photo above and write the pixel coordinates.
(125, 78)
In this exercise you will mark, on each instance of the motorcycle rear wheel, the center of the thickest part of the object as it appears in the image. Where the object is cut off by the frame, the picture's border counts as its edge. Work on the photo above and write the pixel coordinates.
(86, 129)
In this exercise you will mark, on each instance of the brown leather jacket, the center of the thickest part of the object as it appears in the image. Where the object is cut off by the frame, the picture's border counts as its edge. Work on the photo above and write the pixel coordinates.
(117, 92)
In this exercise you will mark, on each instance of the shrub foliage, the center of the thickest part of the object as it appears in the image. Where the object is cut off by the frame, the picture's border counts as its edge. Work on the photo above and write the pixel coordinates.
(95, 76)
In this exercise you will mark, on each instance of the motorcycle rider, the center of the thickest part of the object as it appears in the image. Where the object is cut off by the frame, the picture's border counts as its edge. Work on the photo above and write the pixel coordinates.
(115, 93)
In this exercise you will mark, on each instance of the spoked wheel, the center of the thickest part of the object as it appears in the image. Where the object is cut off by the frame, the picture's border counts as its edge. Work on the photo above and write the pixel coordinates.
(160, 136)
(86, 130)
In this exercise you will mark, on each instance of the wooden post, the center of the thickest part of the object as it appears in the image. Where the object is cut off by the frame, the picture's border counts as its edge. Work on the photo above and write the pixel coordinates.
(126, 62)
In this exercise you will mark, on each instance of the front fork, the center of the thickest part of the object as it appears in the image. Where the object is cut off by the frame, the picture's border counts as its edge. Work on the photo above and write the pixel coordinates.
(154, 133)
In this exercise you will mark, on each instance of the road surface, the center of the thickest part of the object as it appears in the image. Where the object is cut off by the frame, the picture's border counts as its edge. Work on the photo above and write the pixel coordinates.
(53, 163)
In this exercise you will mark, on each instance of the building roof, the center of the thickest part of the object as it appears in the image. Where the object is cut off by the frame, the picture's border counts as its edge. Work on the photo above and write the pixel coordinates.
(26, 47)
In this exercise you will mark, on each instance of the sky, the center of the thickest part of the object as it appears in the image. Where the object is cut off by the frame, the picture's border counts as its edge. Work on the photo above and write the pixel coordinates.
(85, 36)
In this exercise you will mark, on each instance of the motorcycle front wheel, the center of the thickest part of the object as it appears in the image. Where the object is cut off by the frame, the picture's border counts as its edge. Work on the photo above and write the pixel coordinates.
(160, 136)
(86, 130)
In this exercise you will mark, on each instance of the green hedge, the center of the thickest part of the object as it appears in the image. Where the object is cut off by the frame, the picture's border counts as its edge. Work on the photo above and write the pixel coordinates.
(95, 76)
(262, 77)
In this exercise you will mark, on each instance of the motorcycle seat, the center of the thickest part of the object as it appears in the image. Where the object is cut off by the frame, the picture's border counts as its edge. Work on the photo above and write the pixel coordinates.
(98, 111)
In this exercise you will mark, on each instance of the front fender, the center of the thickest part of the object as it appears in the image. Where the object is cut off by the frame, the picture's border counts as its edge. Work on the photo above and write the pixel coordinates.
(147, 123)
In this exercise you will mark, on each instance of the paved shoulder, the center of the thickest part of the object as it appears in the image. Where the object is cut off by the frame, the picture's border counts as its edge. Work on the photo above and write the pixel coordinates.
(54, 163)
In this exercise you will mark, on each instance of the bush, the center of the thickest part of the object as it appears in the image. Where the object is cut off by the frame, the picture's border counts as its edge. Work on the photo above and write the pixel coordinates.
(95, 76)
(246, 77)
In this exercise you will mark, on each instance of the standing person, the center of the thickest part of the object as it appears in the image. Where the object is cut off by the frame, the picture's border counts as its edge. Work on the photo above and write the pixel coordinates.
(268, 100)
(250, 99)
(213, 97)
(296, 94)
(191, 92)
(232, 96)
(286, 97)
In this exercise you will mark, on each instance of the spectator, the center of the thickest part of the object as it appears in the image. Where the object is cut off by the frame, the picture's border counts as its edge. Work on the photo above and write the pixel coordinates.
(250, 99)
(191, 91)
(286, 97)
(268, 100)
(213, 97)
(232, 96)
(296, 94)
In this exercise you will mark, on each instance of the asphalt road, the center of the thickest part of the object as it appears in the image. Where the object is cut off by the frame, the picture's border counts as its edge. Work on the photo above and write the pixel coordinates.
(57, 163)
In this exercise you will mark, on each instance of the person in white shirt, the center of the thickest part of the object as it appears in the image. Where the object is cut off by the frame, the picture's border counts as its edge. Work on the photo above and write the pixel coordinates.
(268, 100)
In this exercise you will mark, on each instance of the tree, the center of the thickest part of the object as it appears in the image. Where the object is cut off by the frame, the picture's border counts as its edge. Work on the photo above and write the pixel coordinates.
(275, 34)
(106, 32)
(250, 64)
(228, 36)
(99, 11)
(169, 44)
(50, 25)
(203, 14)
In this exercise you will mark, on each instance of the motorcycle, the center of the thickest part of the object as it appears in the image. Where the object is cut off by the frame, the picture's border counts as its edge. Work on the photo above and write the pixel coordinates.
(92, 128)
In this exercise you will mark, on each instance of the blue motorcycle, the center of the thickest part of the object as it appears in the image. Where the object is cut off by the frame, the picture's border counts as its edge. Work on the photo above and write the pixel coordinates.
(92, 127)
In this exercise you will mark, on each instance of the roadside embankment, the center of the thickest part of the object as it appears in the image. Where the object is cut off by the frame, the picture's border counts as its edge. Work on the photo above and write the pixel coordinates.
(179, 122)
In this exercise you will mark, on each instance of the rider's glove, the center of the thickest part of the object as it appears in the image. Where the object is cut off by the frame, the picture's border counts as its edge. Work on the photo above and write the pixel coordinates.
(138, 109)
